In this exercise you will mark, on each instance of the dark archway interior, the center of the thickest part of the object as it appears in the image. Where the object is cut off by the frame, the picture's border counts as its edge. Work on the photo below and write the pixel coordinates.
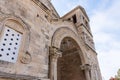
(68, 66)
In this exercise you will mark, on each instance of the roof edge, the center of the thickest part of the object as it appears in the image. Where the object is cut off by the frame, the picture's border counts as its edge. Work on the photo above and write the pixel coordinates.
(78, 7)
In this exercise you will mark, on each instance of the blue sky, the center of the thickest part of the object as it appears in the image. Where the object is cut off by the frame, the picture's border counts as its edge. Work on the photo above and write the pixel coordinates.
(105, 24)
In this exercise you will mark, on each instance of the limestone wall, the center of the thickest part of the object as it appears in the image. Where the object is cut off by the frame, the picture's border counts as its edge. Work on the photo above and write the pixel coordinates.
(40, 32)
(32, 16)
(38, 26)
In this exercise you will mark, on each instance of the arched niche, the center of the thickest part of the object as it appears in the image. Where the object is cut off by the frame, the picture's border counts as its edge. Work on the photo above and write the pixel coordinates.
(68, 66)
(15, 26)
(60, 36)
(63, 32)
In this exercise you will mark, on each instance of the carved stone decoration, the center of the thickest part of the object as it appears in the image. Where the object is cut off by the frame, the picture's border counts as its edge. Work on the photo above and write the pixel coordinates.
(55, 52)
(26, 58)
(85, 67)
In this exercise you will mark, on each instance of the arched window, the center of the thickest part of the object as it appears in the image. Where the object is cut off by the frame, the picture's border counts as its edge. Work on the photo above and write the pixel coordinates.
(11, 39)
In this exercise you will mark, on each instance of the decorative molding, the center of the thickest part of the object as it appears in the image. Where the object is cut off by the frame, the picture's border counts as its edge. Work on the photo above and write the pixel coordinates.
(42, 6)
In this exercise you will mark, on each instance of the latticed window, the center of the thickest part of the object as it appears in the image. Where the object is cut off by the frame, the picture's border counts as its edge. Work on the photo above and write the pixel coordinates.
(10, 41)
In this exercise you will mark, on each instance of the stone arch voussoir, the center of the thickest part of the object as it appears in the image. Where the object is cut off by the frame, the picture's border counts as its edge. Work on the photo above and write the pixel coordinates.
(63, 32)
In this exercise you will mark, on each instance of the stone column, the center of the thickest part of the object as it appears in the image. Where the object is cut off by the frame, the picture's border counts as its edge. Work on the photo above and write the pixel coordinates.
(54, 55)
(86, 68)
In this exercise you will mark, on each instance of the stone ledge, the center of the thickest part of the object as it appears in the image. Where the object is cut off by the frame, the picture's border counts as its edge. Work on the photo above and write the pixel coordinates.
(8, 76)
(45, 79)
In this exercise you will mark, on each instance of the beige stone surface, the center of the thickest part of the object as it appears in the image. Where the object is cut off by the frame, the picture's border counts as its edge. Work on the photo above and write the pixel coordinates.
(42, 28)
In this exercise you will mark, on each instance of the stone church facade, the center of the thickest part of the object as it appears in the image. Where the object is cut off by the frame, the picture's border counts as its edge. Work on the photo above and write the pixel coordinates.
(37, 44)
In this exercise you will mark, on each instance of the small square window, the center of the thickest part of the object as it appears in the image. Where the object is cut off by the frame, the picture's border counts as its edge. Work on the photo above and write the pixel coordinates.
(9, 45)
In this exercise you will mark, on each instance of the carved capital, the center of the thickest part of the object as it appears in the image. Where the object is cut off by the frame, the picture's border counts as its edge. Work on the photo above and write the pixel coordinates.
(85, 67)
(55, 52)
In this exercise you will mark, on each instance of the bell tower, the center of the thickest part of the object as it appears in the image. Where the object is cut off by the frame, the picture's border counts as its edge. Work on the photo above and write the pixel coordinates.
(80, 21)
(79, 17)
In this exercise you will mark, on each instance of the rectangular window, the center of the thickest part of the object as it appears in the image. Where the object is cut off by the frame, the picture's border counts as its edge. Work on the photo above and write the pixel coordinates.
(74, 19)
(9, 45)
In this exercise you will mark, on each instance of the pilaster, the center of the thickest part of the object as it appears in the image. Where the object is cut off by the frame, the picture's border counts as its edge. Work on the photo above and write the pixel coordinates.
(55, 53)
(87, 69)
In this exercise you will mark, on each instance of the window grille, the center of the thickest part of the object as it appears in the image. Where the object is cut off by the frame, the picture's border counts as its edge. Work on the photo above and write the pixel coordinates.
(9, 45)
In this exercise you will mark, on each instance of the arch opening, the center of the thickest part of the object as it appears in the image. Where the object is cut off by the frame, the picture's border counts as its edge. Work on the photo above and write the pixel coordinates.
(68, 66)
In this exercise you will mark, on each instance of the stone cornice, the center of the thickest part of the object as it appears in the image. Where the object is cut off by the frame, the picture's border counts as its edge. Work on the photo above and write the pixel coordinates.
(46, 9)
(42, 6)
